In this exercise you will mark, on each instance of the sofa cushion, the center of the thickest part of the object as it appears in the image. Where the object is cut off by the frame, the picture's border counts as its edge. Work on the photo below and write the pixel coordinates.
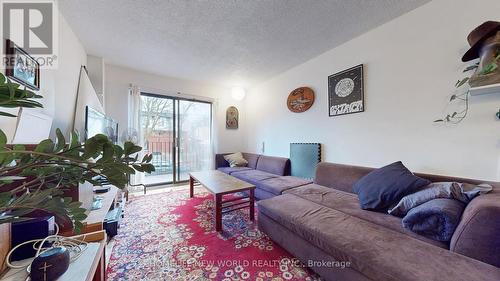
(384, 187)
(373, 250)
(252, 159)
(307, 252)
(348, 203)
(339, 176)
(230, 170)
(275, 165)
(253, 176)
(280, 184)
(261, 194)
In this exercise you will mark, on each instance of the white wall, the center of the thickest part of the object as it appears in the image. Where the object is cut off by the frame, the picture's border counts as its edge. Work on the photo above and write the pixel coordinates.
(58, 86)
(411, 65)
(117, 84)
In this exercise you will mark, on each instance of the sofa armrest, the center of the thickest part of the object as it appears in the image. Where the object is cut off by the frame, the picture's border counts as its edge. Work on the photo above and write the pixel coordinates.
(275, 165)
(220, 161)
(478, 233)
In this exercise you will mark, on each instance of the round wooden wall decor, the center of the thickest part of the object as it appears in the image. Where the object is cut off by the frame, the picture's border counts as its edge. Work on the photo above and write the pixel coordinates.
(300, 99)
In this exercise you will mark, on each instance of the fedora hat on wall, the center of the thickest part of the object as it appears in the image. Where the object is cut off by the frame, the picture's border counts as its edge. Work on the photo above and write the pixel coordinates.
(477, 37)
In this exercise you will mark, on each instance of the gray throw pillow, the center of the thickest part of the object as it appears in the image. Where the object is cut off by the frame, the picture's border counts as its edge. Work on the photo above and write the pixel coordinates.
(236, 160)
(463, 192)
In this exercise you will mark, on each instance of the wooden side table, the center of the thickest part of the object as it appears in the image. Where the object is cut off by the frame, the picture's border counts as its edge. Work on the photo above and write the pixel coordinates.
(95, 218)
(90, 266)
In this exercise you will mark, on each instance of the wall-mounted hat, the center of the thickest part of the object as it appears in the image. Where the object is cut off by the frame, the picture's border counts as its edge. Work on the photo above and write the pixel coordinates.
(477, 37)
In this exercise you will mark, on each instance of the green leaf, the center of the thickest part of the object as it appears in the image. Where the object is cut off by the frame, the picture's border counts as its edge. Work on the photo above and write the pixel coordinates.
(3, 139)
(78, 227)
(453, 97)
(12, 89)
(100, 138)
(471, 67)
(92, 149)
(61, 141)
(138, 168)
(127, 146)
(5, 198)
(19, 147)
(11, 178)
(2, 79)
(460, 83)
(118, 151)
(148, 168)
(14, 103)
(45, 146)
(74, 141)
(490, 68)
(7, 114)
(108, 151)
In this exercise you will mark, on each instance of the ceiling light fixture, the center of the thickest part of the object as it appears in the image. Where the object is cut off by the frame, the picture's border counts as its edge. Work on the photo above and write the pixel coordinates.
(238, 93)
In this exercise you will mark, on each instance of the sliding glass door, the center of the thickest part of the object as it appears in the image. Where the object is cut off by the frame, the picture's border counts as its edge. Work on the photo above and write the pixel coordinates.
(194, 135)
(177, 132)
(157, 124)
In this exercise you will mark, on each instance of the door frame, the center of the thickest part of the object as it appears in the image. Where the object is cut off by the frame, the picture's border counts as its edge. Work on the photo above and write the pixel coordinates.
(175, 144)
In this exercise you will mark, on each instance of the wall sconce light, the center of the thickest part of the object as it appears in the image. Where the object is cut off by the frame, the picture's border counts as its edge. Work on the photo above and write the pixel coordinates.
(238, 93)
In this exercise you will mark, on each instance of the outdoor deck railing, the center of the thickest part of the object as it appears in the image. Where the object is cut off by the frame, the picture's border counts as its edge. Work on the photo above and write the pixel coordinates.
(193, 159)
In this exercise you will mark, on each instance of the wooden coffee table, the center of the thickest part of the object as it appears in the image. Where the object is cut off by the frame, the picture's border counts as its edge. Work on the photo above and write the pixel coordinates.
(219, 184)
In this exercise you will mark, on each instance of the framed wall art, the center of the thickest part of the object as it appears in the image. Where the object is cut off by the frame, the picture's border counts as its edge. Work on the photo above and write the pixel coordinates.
(21, 67)
(300, 99)
(232, 117)
(346, 92)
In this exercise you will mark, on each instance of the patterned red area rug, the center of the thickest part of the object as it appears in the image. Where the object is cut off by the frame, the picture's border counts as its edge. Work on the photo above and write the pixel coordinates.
(168, 236)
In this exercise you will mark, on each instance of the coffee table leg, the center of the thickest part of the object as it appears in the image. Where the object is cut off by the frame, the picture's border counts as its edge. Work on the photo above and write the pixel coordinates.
(218, 212)
(191, 187)
(252, 204)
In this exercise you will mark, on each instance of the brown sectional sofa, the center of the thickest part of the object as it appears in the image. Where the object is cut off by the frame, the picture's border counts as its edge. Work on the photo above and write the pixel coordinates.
(322, 223)
(269, 174)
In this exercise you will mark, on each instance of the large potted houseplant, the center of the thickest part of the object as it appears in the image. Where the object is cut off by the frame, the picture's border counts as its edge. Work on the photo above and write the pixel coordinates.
(33, 180)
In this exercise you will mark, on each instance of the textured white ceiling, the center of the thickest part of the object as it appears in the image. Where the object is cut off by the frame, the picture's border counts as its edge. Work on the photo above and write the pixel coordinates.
(231, 42)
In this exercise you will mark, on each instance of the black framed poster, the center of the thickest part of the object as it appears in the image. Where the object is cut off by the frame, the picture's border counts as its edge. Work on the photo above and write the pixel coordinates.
(21, 67)
(346, 92)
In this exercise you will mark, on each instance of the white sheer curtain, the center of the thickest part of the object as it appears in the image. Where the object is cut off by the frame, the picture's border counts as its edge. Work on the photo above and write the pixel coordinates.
(134, 126)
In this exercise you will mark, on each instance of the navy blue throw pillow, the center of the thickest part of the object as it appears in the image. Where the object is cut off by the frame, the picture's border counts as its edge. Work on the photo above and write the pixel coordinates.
(386, 186)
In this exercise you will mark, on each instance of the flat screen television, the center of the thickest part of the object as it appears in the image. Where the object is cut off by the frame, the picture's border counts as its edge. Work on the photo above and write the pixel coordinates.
(98, 123)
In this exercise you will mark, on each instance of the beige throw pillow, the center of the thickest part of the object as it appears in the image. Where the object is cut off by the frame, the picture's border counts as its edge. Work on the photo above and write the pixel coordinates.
(236, 160)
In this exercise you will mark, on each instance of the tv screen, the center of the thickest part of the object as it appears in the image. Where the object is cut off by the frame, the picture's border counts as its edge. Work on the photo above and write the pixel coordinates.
(98, 123)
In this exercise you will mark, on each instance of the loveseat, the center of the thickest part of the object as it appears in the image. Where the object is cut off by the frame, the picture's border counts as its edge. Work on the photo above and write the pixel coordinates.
(323, 225)
(269, 174)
